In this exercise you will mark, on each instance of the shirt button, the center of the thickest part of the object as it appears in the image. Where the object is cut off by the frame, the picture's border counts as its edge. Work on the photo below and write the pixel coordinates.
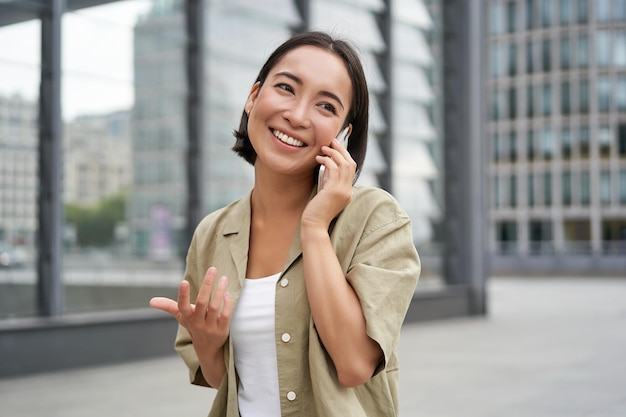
(284, 282)
(291, 395)
(286, 337)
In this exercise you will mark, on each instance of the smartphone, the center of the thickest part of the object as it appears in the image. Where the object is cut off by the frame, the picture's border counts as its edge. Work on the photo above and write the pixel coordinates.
(343, 141)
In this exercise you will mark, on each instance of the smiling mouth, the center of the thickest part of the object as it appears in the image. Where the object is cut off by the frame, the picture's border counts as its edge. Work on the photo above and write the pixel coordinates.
(287, 139)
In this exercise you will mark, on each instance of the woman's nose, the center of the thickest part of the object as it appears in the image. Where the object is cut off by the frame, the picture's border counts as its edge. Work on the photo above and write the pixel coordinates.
(298, 115)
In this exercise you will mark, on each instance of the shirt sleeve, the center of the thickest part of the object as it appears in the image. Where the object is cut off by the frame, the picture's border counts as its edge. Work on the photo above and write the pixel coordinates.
(384, 272)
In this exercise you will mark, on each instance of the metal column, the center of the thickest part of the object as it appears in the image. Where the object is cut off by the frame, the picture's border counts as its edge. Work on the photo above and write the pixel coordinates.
(304, 9)
(385, 99)
(195, 56)
(50, 197)
(465, 226)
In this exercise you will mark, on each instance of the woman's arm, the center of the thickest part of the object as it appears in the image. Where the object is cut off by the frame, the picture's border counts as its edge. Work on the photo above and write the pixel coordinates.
(336, 310)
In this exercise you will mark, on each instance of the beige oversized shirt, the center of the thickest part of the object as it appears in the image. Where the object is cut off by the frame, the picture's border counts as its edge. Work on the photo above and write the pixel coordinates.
(373, 241)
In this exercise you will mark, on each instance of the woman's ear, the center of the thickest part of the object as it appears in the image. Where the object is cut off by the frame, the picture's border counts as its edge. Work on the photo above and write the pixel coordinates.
(254, 92)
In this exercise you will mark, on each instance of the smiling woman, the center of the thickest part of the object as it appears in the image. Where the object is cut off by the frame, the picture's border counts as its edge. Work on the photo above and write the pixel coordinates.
(293, 299)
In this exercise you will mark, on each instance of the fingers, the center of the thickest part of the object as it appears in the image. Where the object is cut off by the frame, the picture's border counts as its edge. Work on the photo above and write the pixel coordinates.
(165, 304)
(184, 306)
(338, 162)
(204, 295)
(214, 308)
(227, 310)
(212, 305)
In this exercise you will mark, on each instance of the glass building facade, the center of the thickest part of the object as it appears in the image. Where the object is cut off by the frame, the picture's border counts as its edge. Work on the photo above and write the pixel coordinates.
(125, 110)
(556, 132)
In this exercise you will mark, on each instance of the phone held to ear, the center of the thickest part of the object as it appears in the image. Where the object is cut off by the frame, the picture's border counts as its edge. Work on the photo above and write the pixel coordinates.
(343, 141)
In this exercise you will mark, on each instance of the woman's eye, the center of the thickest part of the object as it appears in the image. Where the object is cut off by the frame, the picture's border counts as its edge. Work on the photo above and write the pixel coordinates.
(285, 87)
(329, 107)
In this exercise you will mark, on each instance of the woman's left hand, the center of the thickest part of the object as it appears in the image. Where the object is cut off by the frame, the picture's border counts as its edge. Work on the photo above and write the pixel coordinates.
(337, 190)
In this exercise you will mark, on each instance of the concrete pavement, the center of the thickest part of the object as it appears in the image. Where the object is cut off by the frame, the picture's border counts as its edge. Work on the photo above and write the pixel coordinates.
(549, 347)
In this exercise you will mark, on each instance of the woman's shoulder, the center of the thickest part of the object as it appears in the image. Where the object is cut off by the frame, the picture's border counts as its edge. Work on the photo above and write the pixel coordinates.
(375, 199)
(233, 213)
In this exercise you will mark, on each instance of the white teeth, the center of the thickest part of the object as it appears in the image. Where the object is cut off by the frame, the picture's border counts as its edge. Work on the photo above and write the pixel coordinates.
(287, 139)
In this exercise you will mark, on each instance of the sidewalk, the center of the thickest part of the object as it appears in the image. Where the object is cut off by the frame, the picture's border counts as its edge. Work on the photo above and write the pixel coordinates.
(550, 347)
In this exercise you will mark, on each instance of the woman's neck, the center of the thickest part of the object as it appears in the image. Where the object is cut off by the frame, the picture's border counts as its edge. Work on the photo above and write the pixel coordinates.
(277, 195)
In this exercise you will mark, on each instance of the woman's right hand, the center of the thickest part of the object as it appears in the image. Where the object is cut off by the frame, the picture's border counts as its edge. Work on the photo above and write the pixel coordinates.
(207, 321)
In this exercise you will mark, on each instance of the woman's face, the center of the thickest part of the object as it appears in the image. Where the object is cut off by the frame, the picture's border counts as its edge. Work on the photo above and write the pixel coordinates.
(301, 107)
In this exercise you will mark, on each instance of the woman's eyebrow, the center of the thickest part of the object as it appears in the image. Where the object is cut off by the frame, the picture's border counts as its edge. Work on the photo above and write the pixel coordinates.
(298, 81)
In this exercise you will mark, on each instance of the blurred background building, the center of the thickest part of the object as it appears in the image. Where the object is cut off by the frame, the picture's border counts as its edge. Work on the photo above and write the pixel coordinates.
(556, 134)
(116, 121)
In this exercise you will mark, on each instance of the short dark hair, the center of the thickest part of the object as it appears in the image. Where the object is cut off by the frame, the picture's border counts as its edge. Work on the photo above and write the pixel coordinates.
(359, 109)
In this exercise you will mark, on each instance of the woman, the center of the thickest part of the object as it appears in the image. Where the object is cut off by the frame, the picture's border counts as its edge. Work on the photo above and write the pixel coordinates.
(314, 285)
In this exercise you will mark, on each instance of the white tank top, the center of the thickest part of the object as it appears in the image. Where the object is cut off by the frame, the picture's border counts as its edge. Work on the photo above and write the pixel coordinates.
(252, 331)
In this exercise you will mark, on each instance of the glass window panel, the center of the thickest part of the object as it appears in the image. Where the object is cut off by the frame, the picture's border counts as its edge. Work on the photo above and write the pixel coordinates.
(125, 235)
(358, 25)
(603, 48)
(621, 140)
(566, 142)
(565, 11)
(546, 55)
(375, 80)
(547, 188)
(585, 188)
(496, 192)
(565, 52)
(605, 187)
(619, 48)
(504, 148)
(582, 52)
(530, 61)
(546, 99)
(582, 10)
(566, 98)
(547, 143)
(505, 190)
(529, 13)
(605, 140)
(496, 147)
(512, 59)
(511, 16)
(583, 139)
(498, 104)
(411, 75)
(408, 11)
(566, 188)
(546, 13)
(377, 120)
(512, 102)
(620, 93)
(496, 18)
(530, 104)
(513, 146)
(494, 61)
(604, 93)
(281, 12)
(583, 96)
(619, 10)
(622, 186)
(410, 119)
(252, 41)
(410, 45)
(530, 145)
(531, 190)
(513, 190)
(603, 10)
(19, 138)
